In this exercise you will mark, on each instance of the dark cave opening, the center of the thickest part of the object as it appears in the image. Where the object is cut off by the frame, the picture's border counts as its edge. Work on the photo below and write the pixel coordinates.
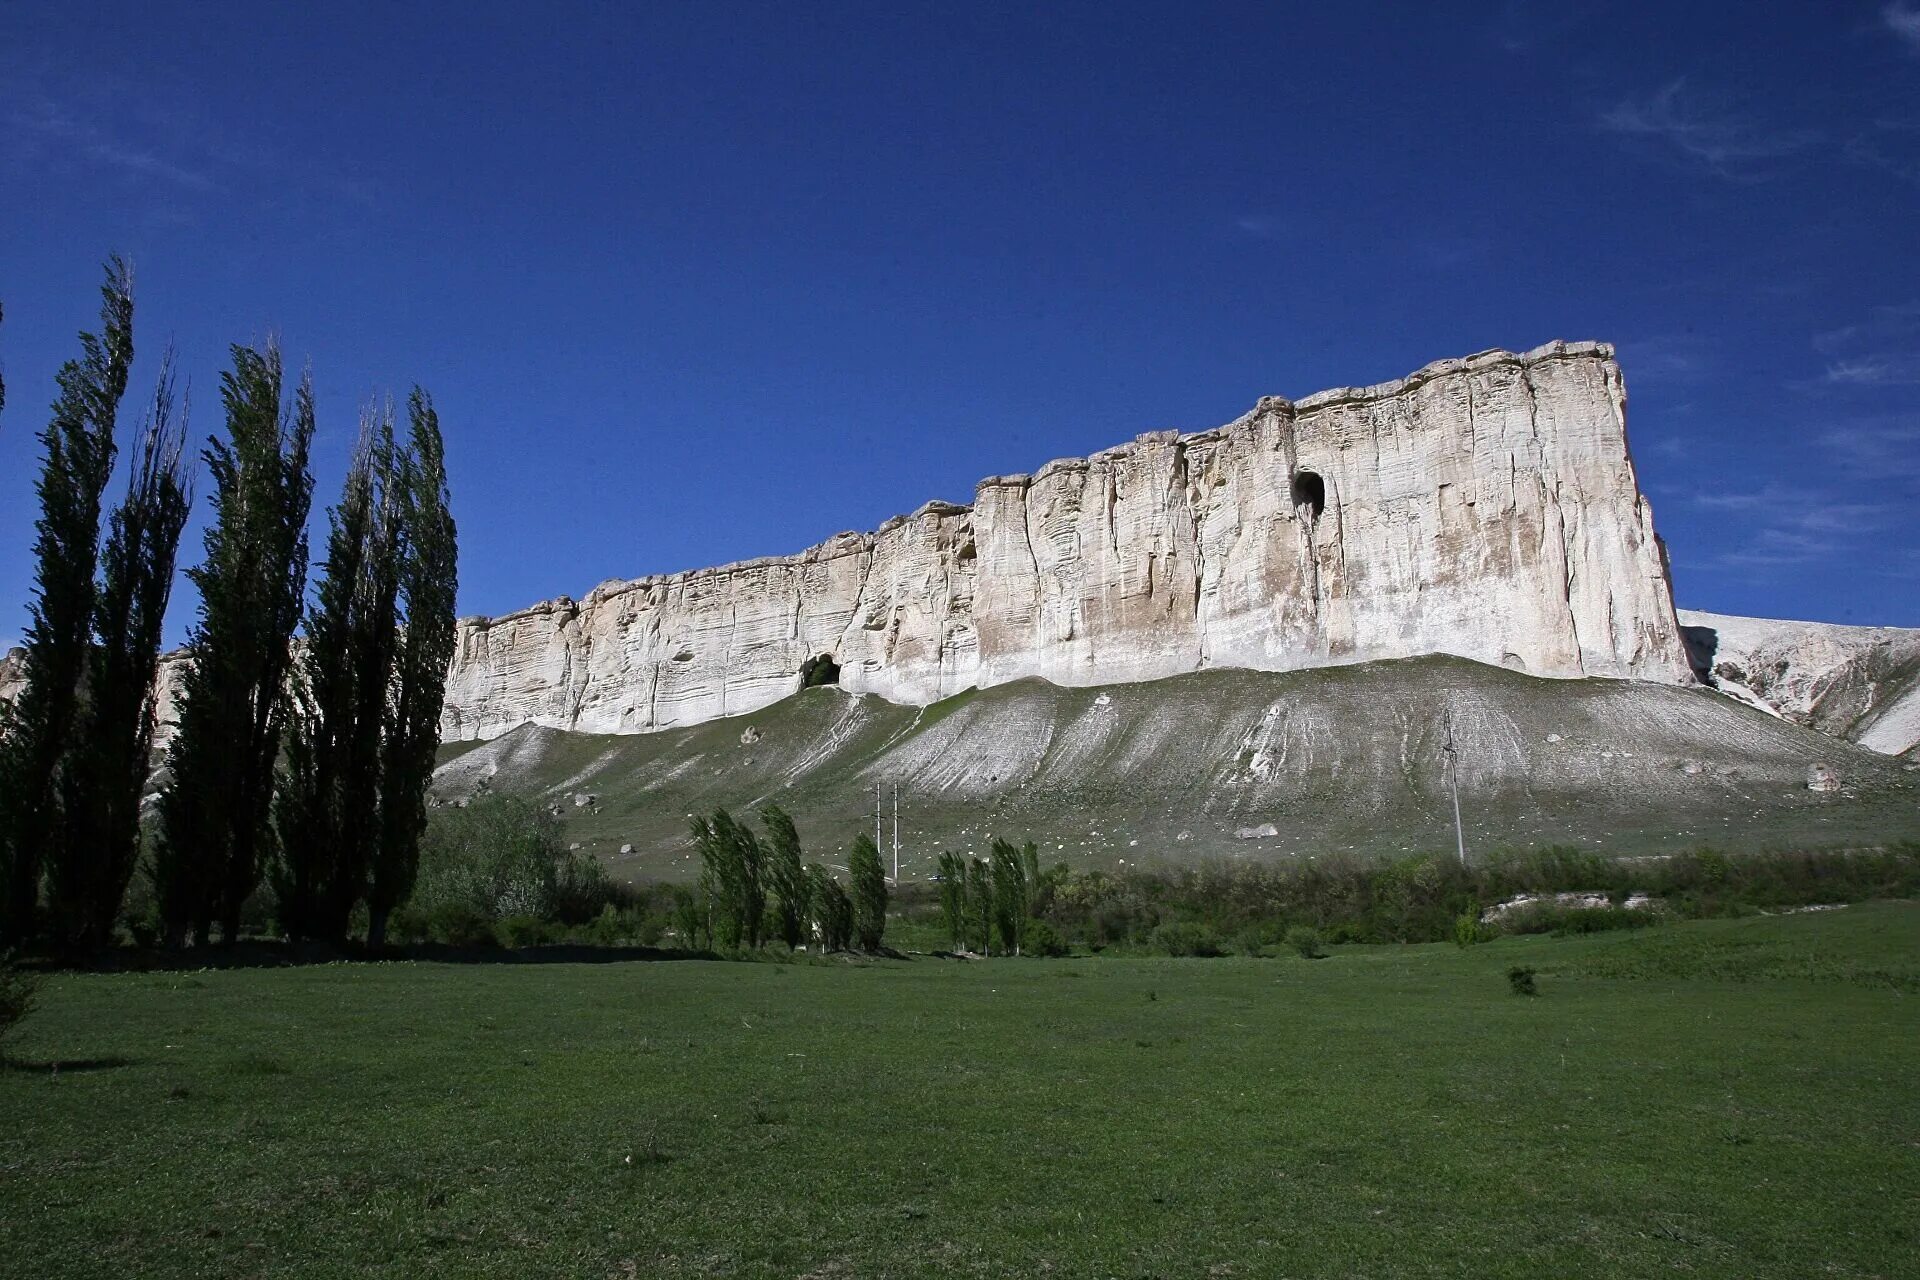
(819, 671)
(1310, 491)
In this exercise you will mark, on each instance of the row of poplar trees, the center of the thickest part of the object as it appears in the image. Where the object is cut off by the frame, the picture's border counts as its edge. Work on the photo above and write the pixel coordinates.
(300, 762)
(1000, 895)
(755, 888)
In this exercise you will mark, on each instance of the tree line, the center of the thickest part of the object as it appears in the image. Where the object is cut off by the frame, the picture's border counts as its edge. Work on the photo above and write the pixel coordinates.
(756, 886)
(303, 764)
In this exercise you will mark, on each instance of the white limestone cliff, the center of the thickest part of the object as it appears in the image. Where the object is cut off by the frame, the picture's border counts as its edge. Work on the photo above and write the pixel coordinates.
(1485, 507)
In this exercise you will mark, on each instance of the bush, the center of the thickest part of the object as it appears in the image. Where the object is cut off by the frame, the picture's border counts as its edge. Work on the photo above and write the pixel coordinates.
(1469, 930)
(1521, 980)
(499, 856)
(525, 931)
(1548, 917)
(407, 924)
(460, 924)
(1304, 940)
(19, 991)
(1184, 938)
(1043, 940)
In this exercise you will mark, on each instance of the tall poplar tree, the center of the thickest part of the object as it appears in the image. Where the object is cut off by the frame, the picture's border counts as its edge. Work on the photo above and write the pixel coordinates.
(786, 875)
(869, 893)
(78, 459)
(214, 830)
(327, 806)
(106, 773)
(428, 563)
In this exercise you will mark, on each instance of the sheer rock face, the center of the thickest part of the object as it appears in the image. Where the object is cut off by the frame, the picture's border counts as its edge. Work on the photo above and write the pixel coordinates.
(1485, 507)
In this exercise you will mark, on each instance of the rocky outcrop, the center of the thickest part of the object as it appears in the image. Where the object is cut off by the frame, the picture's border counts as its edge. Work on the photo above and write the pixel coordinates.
(1484, 507)
(173, 667)
(1860, 683)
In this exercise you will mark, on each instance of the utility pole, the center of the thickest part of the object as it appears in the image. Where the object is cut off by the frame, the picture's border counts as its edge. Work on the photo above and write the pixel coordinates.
(1453, 784)
(896, 832)
(876, 815)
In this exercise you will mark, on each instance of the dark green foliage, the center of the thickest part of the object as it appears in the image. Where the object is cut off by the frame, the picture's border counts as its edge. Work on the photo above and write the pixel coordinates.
(869, 893)
(107, 768)
(786, 876)
(1469, 930)
(1304, 941)
(1016, 873)
(1042, 940)
(1424, 899)
(692, 918)
(732, 869)
(832, 910)
(214, 832)
(497, 856)
(78, 453)
(19, 992)
(327, 805)
(428, 581)
(460, 924)
(1185, 938)
(953, 897)
(1520, 979)
(980, 905)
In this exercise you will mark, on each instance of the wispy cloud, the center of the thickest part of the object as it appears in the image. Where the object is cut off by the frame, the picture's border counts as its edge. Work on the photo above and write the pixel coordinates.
(1664, 359)
(1522, 26)
(1882, 350)
(1904, 22)
(1681, 126)
(60, 133)
(155, 136)
(1796, 525)
(1259, 226)
(1885, 448)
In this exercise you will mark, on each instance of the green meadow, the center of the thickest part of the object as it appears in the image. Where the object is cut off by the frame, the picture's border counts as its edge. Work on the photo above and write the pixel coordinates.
(1721, 1098)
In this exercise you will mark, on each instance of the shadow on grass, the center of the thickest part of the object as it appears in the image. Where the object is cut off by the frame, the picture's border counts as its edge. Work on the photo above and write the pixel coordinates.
(58, 1065)
(263, 954)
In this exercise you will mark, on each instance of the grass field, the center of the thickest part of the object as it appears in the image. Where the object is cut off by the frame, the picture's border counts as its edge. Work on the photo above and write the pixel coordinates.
(1727, 1098)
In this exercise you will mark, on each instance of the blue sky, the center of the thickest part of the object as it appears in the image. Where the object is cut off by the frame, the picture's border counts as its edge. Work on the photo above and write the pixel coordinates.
(696, 283)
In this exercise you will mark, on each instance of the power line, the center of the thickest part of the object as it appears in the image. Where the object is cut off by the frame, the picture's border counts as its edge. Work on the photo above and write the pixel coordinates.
(1453, 784)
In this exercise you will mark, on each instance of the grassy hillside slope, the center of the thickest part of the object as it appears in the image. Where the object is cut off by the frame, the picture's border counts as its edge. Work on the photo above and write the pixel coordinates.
(1340, 759)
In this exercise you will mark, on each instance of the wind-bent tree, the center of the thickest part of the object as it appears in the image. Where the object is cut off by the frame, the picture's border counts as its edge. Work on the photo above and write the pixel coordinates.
(869, 893)
(78, 459)
(214, 831)
(106, 772)
(1012, 891)
(980, 904)
(428, 560)
(733, 868)
(786, 876)
(327, 807)
(832, 909)
(953, 897)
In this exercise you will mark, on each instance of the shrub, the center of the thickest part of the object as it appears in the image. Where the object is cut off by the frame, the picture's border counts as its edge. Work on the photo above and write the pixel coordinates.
(1184, 938)
(19, 991)
(1043, 940)
(460, 924)
(1304, 940)
(1469, 930)
(1251, 941)
(524, 931)
(499, 855)
(1548, 917)
(407, 924)
(1521, 980)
